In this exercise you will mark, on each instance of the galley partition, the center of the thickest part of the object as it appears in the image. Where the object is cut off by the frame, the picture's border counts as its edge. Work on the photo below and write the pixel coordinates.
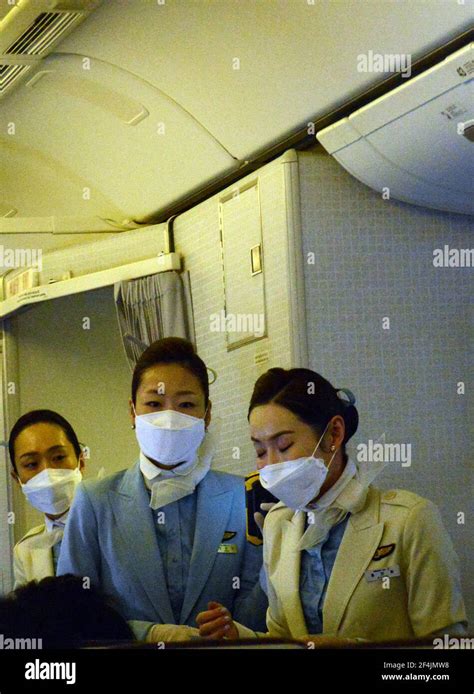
(61, 350)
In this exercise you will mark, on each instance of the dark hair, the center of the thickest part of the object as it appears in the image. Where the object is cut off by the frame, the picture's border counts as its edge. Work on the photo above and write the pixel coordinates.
(289, 388)
(37, 417)
(61, 612)
(171, 350)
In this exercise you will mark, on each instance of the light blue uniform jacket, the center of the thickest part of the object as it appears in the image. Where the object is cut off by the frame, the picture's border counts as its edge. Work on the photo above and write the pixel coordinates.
(110, 537)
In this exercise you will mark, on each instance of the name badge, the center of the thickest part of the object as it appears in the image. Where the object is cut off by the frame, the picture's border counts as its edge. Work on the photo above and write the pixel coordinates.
(227, 549)
(378, 574)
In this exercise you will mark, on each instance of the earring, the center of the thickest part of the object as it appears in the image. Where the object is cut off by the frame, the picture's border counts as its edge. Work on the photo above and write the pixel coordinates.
(133, 426)
(333, 448)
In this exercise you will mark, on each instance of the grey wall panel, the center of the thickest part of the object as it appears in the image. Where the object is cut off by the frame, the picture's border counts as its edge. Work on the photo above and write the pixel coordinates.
(374, 259)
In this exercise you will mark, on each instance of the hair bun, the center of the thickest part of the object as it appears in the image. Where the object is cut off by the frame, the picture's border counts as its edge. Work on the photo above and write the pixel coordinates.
(350, 414)
(347, 397)
(351, 420)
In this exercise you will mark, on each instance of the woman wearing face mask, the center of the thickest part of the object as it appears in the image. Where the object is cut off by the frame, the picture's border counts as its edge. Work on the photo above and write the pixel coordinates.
(343, 559)
(47, 463)
(168, 534)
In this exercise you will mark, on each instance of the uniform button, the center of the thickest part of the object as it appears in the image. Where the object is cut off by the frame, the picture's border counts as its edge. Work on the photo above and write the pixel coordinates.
(390, 495)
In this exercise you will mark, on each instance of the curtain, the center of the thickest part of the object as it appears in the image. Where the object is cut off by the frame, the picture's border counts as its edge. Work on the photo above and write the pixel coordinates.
(153, 307)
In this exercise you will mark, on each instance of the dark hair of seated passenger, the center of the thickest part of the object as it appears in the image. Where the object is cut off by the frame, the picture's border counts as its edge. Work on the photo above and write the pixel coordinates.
(61, 612)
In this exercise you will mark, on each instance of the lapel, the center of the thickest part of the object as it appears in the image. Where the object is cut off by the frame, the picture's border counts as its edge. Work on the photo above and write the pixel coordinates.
(133, 515)
(38, 561)
(361, 538)
(214, 503)
(287, 574)
(41, 563)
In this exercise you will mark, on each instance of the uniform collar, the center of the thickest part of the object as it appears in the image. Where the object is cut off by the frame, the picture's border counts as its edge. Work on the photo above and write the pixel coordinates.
(56, 523)
(333, 492)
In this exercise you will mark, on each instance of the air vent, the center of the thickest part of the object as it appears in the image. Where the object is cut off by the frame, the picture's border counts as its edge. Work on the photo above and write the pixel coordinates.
(9, 74)
(43, 33)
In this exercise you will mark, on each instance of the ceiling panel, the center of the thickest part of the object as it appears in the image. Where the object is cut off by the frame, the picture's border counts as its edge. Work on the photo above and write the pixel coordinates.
(296, 59)
(143, 103)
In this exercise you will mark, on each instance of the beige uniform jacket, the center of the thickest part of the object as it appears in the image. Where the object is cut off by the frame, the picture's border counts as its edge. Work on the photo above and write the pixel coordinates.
(396, 530)
(32, 563)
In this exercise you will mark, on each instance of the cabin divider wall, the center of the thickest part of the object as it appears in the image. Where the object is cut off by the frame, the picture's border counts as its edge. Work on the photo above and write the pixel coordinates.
(82, 372)
(373, 259)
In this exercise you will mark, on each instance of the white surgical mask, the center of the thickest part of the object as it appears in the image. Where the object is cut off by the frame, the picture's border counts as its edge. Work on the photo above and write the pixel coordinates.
(170, 437)
(52, 490)
(296, 482)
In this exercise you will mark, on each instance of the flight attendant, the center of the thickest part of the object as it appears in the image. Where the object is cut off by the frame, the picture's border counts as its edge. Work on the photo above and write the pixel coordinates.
(169, 534)
(47, 462)
(344, 560)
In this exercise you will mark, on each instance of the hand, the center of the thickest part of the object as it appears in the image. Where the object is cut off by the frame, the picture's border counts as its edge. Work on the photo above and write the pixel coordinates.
(216, 623)
(259, 517)
(167, 633)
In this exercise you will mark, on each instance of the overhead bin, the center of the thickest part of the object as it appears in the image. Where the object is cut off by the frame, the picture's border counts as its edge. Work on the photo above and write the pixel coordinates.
(415, 143)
